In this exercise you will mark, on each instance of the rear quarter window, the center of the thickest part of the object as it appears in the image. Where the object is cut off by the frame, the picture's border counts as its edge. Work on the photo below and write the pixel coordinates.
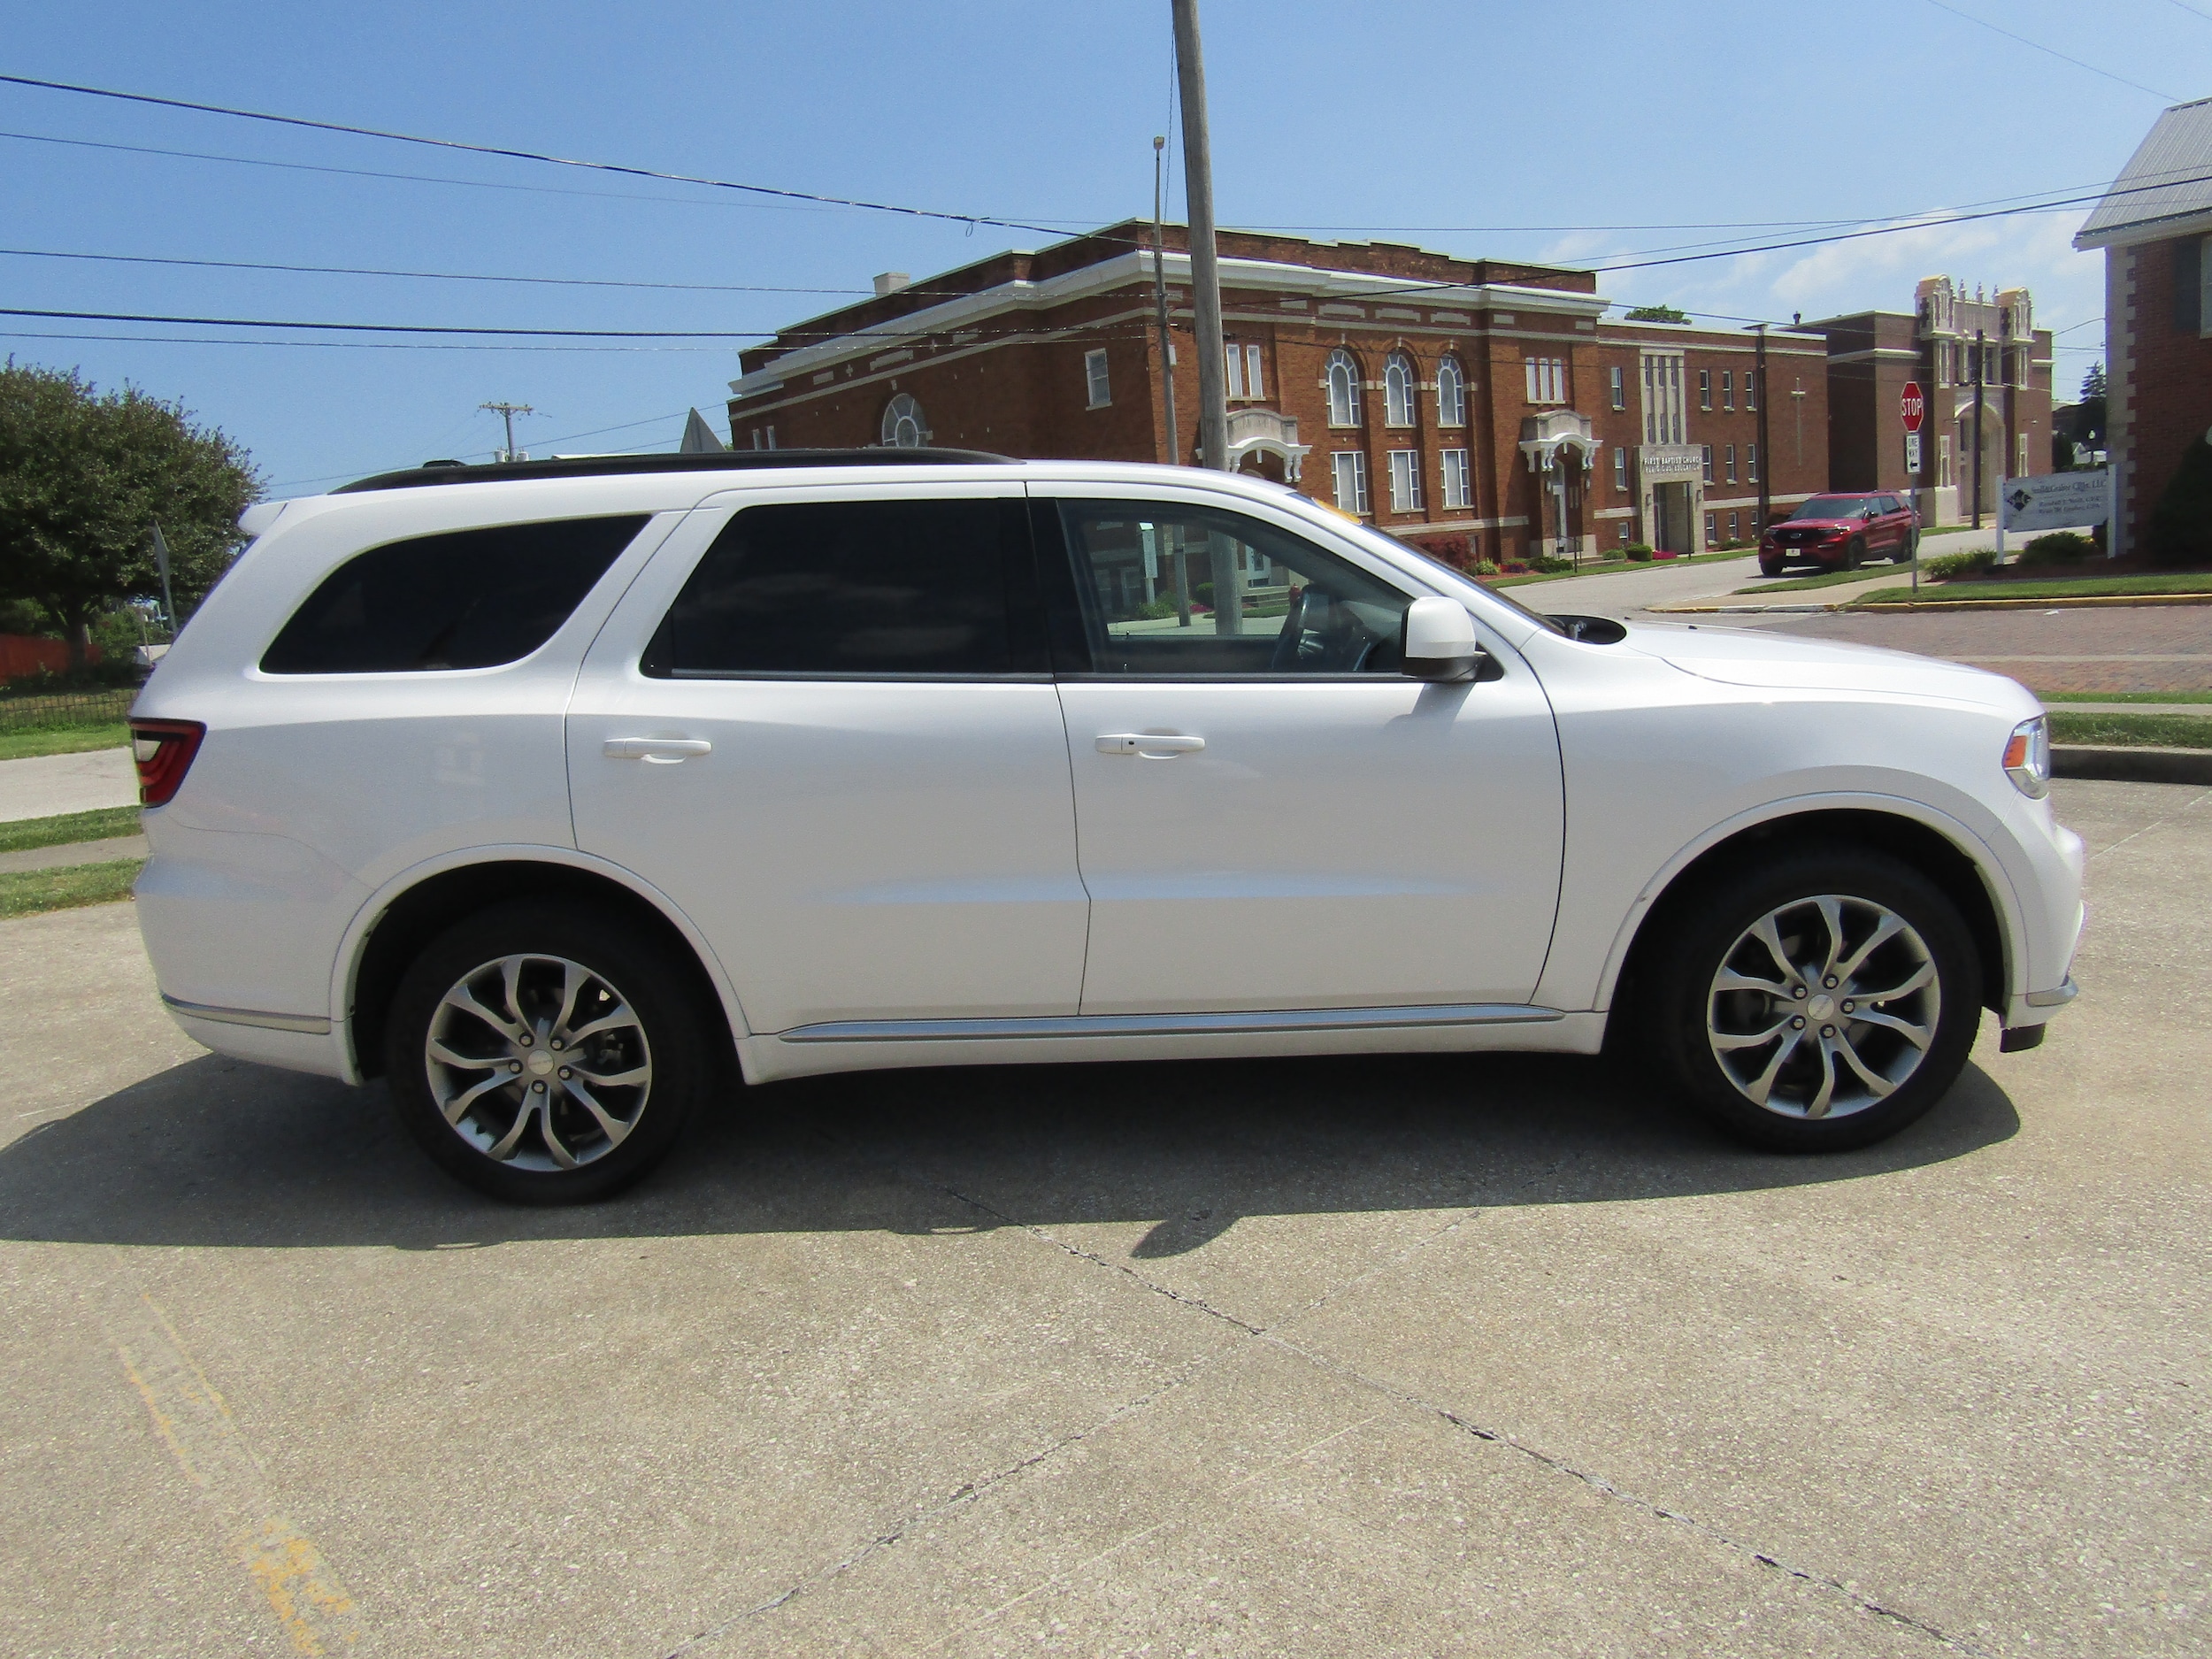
(464, 599)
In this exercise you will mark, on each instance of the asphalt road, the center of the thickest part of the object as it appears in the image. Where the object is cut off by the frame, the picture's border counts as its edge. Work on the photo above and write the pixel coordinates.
(1360, 1357)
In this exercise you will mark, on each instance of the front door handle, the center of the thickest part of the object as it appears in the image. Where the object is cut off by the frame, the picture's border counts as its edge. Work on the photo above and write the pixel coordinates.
(1151, 745)
(656, 751)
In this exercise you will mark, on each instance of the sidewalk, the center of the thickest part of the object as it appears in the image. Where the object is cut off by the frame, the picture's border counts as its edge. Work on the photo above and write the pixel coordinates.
(52, 783)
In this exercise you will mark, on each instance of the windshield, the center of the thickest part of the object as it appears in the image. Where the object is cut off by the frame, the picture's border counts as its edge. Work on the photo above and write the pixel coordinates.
(1833, 507)
(1400, 545)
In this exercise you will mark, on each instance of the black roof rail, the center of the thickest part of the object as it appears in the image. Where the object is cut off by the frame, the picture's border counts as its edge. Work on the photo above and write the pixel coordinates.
(603, 465)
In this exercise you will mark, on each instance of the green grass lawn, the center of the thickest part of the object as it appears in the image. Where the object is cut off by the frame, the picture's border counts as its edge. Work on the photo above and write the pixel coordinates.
(98, 825)
(61, 740)
(2133, 731)
(2064, 588)
(1826, 579)
(1612, 567)
(2125, 697)
(28, 892)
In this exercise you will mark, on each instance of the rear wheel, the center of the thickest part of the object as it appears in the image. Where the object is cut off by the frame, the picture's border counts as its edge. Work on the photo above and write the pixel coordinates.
(1822, 1002)
(545, 1055)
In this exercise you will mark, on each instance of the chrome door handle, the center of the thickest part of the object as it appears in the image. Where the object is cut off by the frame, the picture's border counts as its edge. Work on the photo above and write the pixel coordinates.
(656, 751)
(1151, 745)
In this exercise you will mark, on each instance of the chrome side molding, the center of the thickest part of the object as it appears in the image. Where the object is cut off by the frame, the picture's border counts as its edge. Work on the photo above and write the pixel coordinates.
(1171, 1024)
(310, 1024)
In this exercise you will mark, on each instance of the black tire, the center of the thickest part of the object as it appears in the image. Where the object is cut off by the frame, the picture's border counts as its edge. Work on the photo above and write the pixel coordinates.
(1704, 933)
(668, 1027)
(1773, 569)
(1910, 552)
(1855, 554)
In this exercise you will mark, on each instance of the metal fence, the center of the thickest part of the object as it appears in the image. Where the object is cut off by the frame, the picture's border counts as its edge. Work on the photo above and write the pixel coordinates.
(33, 711)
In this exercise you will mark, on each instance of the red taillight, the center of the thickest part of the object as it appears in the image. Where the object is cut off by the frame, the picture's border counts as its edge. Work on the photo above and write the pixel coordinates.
(164, 750)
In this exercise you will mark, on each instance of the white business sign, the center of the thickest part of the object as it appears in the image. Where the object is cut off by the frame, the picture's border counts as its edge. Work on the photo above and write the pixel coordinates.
(2056, 500)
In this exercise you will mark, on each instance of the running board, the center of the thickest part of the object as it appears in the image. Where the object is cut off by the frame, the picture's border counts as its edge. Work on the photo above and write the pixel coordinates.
(1317, 1019)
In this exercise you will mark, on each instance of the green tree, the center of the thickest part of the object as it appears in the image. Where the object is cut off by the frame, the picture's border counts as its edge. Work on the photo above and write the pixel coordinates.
(1657, 314)
(83, 477)
(2089, 414)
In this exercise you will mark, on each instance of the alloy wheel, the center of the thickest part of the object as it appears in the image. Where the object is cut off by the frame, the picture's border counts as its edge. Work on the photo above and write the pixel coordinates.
(1824, 1007)
(538, 1062)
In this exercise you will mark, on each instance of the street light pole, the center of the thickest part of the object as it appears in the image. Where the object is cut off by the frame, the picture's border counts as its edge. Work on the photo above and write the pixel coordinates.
(1977, 428)
(1205, 268)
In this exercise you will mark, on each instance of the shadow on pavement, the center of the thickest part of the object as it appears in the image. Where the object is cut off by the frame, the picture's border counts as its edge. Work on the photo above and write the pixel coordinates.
(216, 1152)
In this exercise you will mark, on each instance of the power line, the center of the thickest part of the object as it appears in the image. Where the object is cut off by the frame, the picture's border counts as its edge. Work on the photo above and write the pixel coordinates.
(2051, 51)
(334, 345)
(428, 276)
(507, 153)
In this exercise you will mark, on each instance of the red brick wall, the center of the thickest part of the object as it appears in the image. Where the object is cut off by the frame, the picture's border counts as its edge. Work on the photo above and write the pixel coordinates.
(2172, 391)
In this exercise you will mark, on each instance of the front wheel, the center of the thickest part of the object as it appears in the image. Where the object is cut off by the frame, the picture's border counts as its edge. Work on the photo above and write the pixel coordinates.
(1855, 554)
(1908, 550)
(1822, 1002)
(544, 1054)
(1769, 568)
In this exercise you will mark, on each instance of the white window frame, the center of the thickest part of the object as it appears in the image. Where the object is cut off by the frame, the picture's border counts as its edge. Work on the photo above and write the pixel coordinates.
(1620, 465)
(1663, 397)
(902, 411)
(1707, 451)
(1231, 370)
(1734, 535)
(1546, 379)
(1705, 389)
(1751, 388)
(1712, 530)
(1347, 473)
(1728, 390)
(1731, 463)
(1405, 480)
(1400, 389)
(2022, 446)
(1451, 393)
(1343, 379)
(1751, 463)
(1098, 380)
(1255, 384)
(1453, 462)
(1618, 381)
(1943, 460)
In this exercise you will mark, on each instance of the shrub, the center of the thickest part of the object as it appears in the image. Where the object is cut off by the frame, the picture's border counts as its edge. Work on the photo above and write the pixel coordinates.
(1486, 567)
(1637, 552)
(1945, 567)
(1550, 566)
(1515, 567)
(2060, 547)
(2180, 527)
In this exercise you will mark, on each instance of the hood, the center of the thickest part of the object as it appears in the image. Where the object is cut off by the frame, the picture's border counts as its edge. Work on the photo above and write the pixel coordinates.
(1782, 662)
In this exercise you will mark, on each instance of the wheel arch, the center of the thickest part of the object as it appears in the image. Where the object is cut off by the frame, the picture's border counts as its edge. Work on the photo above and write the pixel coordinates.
(417, 905)
(1959, 864)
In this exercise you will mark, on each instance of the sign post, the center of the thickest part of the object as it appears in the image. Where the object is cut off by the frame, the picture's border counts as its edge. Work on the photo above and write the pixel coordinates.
(1912, 405)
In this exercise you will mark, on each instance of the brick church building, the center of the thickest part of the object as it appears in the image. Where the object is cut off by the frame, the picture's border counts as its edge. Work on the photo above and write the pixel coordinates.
(1426, 393)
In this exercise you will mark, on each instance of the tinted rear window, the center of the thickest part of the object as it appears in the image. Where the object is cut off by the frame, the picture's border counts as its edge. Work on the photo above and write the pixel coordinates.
(844, 589)
(466, 599)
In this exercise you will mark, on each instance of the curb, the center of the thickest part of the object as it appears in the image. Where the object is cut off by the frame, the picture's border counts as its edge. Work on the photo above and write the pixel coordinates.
(1884, 608)
(2117, 765)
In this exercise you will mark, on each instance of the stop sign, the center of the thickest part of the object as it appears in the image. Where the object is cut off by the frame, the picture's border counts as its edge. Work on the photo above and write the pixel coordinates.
(1914, 404)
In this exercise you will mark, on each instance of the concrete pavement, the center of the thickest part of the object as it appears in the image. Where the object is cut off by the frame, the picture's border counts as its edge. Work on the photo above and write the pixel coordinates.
(1360, 1357)
(48, 785)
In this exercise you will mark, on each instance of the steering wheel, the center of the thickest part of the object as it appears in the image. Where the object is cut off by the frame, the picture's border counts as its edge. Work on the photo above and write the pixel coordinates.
(1284, 658)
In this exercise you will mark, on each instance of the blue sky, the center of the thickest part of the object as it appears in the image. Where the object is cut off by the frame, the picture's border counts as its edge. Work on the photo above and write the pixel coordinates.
(1412, 122)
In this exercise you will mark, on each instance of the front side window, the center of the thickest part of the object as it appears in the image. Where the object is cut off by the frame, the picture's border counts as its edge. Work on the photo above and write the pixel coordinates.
(1398, 390)
(1095, 379)
(1405, 480)
(465, 599)
(1451, 394)
(1349, 476)
(1455, 493)
(1177, 592)
(1343, 390)
(902, 427)
(857, 589)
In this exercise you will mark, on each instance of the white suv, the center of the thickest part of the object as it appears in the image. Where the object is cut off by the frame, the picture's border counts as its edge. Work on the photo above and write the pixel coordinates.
(548, 790)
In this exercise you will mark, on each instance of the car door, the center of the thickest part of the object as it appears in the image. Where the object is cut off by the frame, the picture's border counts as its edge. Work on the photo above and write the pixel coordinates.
(1271, 816)
(823, 723)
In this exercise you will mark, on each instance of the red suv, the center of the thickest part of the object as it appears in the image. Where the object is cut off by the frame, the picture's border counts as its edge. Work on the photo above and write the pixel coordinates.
(1841, 532)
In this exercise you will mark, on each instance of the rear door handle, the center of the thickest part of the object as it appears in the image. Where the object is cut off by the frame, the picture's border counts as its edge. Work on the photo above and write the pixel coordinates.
(656, 751)
(1151, 745)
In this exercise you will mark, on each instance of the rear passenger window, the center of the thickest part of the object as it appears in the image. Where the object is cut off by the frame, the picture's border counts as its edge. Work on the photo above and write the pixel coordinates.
(857, 589)
(465, 599)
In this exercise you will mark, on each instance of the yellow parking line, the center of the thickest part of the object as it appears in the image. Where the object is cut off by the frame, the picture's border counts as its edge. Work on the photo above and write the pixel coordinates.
(196, 1424)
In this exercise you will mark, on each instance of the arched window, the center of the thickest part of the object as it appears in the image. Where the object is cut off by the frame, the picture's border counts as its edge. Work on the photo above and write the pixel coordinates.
(1451, 394)
(1343, 389)
(1398, 390)
(902, 427)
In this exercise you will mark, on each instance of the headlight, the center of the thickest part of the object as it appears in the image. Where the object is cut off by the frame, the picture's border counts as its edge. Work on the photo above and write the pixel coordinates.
(2027, 757)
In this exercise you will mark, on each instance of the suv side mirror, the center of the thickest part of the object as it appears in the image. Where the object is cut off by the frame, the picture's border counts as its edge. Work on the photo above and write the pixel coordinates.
(1440, 640)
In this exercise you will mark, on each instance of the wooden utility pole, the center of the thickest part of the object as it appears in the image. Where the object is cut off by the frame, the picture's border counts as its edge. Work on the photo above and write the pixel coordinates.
(1159, 300)
(1205, 268)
